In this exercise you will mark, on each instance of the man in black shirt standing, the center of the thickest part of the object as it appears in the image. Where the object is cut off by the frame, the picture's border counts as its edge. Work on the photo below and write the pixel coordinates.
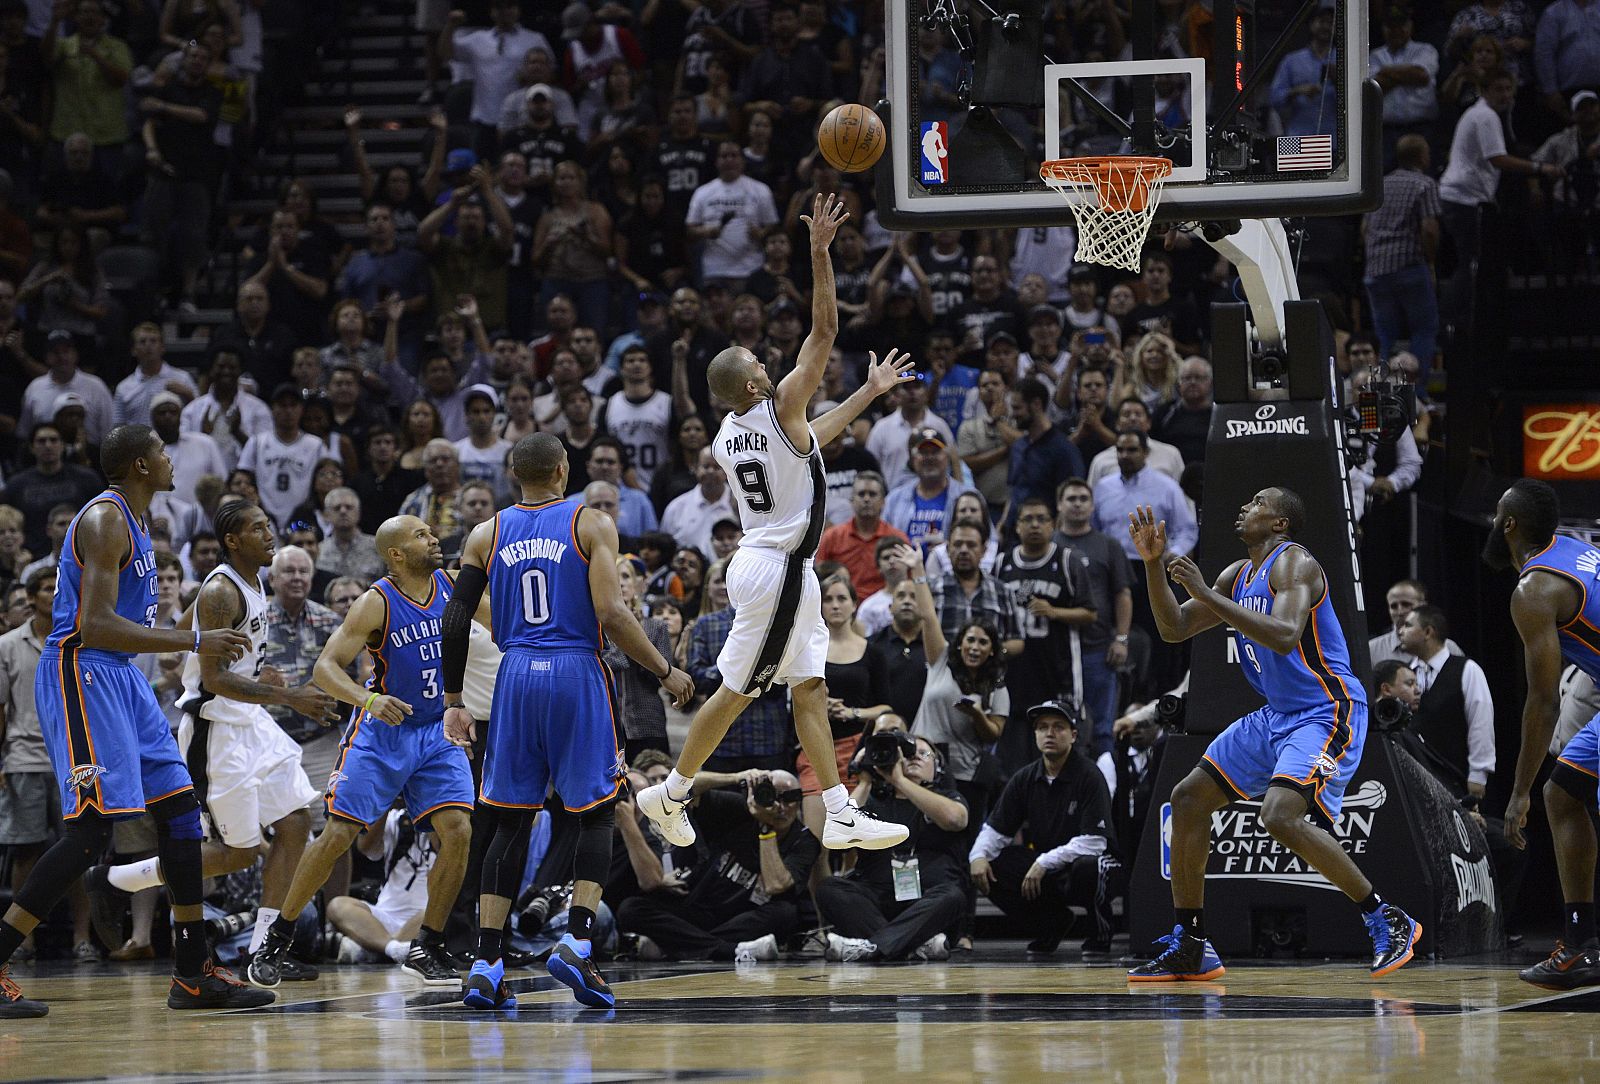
(745, 897)
(684, 159)
(898, 902)
(903, 650)
(384, 485)
(542, 143)
(1068, 851)
(180, 154)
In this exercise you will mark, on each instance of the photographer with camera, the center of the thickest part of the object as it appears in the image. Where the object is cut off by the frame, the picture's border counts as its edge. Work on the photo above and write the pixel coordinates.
(745, 898)
(897, 903)
(1131, 765)
(1068, 851)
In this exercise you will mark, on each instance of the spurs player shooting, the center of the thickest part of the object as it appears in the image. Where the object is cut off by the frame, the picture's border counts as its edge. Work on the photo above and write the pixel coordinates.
(246, 770)
(774, 460)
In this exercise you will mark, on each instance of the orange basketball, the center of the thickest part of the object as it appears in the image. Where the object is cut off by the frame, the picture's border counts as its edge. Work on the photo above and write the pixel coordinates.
(851, 138)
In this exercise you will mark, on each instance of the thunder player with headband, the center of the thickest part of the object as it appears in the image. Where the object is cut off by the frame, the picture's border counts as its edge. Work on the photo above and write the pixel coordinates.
(394, 747)
(1297, 754)
(774, 460)
(113, 754)
(550, 566)
(1556, 608)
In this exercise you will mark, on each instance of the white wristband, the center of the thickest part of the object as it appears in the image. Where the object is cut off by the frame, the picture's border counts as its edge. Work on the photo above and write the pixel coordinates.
(197, 638)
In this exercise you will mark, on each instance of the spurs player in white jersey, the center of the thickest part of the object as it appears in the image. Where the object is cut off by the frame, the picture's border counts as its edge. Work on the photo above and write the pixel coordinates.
(773, 460)
(246, 770)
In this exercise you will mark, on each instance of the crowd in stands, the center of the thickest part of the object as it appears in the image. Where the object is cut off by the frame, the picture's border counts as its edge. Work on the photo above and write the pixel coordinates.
(610, 194)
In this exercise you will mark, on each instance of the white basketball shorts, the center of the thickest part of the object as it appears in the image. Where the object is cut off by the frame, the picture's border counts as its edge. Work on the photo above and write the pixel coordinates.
(250, 775)
(778, 632)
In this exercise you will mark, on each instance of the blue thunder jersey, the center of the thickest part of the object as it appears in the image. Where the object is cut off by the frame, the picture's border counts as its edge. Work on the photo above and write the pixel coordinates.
(409, 664)
(539, 580)
(1578, 562)
(136, 582)
(1317, 672)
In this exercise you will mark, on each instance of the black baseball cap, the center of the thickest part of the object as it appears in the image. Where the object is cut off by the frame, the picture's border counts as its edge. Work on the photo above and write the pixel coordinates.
(1083, 272)
(1055, 707)
(285, 391)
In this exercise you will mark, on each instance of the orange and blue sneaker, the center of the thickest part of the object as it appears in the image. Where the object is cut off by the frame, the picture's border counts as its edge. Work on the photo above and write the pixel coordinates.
(215, 988)
(1186, 959)
(486, 987)
(570, 964)
(1394, 938)
(1564, 969)
(13, 1006)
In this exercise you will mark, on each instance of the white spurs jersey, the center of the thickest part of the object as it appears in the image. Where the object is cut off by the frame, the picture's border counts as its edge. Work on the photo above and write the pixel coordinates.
(643, 429)
(782, 494)
(206, 705)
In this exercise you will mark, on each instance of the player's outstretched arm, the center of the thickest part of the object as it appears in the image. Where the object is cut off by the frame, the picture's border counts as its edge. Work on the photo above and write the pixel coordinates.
(1175, 622)
(796, 389)
(1536, 606)
(1297, 584)
(221, 607)
(101, 540)
(363, 621)
(598, 536)
(455, 630)
(895, 368)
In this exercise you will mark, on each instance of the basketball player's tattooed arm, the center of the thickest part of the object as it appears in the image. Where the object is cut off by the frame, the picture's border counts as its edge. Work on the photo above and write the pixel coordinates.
(361, 625)
(894, 369)
(101, 539)
(598, 535)
(1176, 623)
(1537, 606)
(1297, 584)
(220, 607)
(794, 393)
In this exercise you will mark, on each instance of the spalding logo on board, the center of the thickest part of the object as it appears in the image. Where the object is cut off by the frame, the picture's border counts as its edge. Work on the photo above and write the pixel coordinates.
(1267, 424)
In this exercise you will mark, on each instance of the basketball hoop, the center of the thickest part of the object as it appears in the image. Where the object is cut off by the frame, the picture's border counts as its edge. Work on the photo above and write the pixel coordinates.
(1114, 200)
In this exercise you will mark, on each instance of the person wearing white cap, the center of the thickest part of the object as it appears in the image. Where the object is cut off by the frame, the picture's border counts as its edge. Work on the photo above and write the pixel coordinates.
(151, 374)
(1580, 139)
(482, 451)
(538, 70)
(39, 401)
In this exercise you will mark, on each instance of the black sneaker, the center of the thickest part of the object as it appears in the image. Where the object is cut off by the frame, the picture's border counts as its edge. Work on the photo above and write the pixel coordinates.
(1186, 959)
(292, 970)
(517, 960)
(432, 965)
(216, 988)
(1044, 946)
(1564, 969)
(1394, 938)
(13, 1006)
(108, 905)
(266, 966)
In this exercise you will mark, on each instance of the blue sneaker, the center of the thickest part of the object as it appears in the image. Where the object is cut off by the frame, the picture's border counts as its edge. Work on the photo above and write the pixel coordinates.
(486, 988)
(1186, 959)
(569, 963)
(1394, 938)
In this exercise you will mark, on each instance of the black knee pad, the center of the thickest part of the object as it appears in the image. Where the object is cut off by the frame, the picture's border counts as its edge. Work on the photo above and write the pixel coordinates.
(84, 840)
(177, 816)
(506, 853)
(593, 859)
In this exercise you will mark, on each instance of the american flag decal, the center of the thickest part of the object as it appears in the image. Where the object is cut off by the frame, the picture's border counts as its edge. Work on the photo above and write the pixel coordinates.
(1305, 152)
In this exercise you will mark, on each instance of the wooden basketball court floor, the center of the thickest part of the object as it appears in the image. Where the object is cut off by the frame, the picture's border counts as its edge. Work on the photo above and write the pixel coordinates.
(984, 1019)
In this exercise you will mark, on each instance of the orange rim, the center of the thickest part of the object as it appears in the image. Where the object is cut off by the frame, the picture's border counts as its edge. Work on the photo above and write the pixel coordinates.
(1122, 183)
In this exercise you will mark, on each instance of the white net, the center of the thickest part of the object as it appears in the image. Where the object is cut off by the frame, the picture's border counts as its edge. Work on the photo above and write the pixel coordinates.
(1114, 202)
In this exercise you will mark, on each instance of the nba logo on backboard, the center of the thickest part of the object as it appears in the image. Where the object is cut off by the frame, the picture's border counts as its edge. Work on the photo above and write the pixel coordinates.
(935, 152)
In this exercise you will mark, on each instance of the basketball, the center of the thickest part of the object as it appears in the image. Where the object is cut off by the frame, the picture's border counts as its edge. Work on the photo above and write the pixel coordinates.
(851, 138)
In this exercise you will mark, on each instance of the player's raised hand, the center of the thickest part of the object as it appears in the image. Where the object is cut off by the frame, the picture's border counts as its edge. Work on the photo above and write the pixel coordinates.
(313, 703)
(1186, 574)
(895, 368)
(391, 709)
(1149, 534)
(227, 644)
(828, 213)
(679, 686)
(459, 729)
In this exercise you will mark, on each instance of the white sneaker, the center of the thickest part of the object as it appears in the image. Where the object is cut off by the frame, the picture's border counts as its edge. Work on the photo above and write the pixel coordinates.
(855, 827)
(762, 948)
(671, 817)
(934, 948)
(850, 949)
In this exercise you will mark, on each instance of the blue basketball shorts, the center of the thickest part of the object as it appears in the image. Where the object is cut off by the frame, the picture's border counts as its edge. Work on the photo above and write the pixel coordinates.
(1577, 769)
(379, 763)
(1315, 752)
(109, 743)
(554, 724)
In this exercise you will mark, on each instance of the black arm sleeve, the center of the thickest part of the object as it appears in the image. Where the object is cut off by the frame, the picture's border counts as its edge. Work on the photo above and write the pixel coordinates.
(456, 627)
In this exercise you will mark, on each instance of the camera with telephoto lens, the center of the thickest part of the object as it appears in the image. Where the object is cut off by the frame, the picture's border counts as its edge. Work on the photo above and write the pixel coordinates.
(763, 793)
(1170, 712)
(1391, 714)
(1385, 407)
(881, 750)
